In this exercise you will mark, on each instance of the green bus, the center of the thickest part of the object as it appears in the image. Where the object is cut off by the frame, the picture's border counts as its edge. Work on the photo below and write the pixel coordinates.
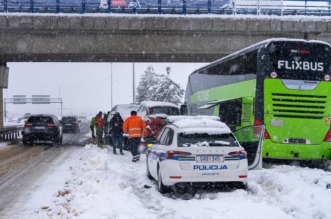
(284, 84)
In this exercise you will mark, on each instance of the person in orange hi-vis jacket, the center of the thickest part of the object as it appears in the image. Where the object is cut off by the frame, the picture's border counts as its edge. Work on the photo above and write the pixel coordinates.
(136, 128)
(99, 126)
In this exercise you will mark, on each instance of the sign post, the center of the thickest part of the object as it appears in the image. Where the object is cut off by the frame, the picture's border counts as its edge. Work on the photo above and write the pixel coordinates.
(36, 99)
(40, 99)
(19, 99)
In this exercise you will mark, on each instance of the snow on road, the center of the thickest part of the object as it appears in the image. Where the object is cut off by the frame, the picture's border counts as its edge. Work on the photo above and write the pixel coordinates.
(94, 183)
(4, 144)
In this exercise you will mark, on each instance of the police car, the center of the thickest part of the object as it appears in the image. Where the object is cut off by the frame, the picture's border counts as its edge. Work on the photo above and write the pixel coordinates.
(201, 152)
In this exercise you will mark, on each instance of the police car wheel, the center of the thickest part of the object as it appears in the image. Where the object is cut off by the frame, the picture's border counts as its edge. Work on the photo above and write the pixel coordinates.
(161, 187)
(148, 174)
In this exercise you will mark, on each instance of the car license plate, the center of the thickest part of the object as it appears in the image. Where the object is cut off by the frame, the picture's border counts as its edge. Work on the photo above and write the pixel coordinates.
(209, 159)
(39, 127)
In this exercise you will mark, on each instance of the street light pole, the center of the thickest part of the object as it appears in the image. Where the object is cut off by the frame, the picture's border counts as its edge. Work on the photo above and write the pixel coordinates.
(133, 84)
(111, 85)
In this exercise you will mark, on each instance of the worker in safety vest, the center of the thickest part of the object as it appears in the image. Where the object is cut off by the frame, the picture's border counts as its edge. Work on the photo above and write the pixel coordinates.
(136, 128)
(92, 126)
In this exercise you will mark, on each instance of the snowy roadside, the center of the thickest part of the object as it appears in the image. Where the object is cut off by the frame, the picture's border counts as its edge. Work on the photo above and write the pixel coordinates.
(4, 144)
(94, 183)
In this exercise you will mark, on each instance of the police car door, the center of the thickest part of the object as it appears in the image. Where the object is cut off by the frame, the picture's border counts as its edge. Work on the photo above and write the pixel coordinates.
(251, 138)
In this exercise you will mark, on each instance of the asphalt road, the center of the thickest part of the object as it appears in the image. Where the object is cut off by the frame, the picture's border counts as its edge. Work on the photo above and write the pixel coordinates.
(21, 165)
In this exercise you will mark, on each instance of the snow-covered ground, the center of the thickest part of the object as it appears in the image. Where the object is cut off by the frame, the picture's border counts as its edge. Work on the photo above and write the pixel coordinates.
(4, 144)
(94, 183)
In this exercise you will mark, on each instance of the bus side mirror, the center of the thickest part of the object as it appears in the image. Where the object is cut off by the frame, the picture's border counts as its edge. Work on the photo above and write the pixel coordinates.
(183, 109)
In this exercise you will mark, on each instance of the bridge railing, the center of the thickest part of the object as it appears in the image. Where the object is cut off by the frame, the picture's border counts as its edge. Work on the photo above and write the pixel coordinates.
(257, 7)
(10, 132)
(48, 6)
(281, 7)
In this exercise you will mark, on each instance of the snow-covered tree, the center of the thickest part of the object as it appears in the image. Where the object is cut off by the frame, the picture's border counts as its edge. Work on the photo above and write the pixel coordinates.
(148, 79)
(156, 87)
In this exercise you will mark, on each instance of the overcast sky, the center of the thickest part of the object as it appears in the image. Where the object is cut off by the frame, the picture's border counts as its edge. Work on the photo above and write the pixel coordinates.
(85, 88)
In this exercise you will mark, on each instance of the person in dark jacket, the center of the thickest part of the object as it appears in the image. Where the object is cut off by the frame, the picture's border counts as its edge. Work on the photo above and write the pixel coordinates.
(116, 124)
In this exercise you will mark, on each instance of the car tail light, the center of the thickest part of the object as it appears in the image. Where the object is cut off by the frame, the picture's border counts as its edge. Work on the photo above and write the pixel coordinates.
(328, 136)
(27, 124)
(175, 177)
(257, 130)
(241, 154)
(243, 176)
(51, 125)
(173, 154)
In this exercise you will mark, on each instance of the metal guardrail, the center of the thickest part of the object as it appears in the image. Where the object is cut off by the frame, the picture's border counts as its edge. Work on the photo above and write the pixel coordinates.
(10, 133)
(282, 7)
(235, 7)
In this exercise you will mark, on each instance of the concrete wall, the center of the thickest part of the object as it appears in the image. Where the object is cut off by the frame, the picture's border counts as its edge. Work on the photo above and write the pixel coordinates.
(92, 38)
(1, 109)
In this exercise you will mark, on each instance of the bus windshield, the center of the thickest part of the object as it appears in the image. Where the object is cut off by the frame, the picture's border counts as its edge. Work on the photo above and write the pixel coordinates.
(299, 61)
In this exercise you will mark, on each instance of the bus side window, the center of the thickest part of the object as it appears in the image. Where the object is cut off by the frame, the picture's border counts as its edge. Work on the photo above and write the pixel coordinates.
(230, 112)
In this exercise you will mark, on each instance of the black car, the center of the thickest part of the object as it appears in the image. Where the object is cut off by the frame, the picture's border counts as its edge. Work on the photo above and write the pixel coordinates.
(70, 124)
(42, 128)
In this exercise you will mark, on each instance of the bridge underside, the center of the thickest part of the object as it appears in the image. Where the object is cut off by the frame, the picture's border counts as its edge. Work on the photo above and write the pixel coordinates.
(140, 39)
(125, 46)
(90, 38)
(111, 58)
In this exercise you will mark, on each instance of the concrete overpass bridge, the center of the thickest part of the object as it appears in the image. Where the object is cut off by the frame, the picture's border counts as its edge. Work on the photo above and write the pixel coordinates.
(148, 38)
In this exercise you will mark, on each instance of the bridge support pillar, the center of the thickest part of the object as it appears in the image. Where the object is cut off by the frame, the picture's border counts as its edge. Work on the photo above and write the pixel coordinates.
(1, 109)
(4, 72)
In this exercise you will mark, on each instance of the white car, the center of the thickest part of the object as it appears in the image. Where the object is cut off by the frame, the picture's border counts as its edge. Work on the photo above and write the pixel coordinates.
(199, 153)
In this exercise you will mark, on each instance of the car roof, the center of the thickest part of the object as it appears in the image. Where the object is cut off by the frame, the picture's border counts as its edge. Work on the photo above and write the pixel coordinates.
(44, 115)
(157, 103)
(172, 119)
(51, 115)
(201, 125)
(123, 109)
(69, 116)
(126, 106)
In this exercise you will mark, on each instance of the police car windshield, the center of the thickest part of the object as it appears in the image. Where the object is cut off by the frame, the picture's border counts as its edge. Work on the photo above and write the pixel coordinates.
(206, 140)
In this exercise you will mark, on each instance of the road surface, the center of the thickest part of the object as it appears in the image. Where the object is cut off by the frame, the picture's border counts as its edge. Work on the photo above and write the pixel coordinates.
(21, 166)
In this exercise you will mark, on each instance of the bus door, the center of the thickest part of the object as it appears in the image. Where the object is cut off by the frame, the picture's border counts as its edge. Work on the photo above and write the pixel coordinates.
(251, 138)
(235, 113)
(230, 112)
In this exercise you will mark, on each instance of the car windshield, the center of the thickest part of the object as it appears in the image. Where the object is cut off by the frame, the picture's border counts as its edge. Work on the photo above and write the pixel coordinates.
(164, 110)
(125, 111)
(40, 119)
(206, 140)
(68, 119)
